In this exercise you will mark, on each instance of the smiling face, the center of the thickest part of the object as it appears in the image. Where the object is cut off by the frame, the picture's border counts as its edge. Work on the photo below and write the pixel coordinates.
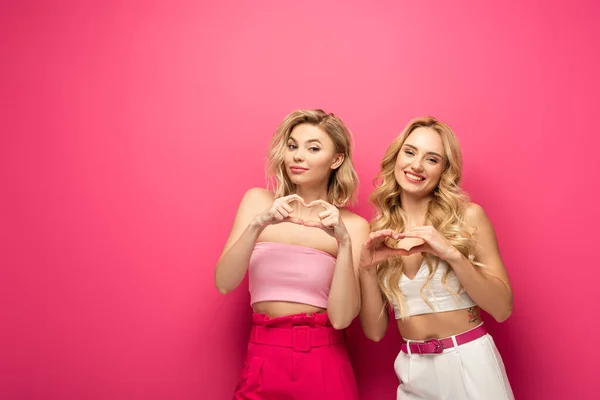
(310, 155)
(420, 162)
(313, 148)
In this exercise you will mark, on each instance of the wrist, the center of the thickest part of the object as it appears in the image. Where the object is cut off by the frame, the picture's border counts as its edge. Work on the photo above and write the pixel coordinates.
(368, 272)
(256, 225)
(453, 255)
(344, 241)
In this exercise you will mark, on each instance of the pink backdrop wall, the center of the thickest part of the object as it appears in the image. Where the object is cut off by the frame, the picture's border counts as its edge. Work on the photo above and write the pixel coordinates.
(130, 131)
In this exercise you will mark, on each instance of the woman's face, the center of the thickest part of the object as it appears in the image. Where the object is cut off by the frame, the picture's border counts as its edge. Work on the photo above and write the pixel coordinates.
(310, 155)
(420, 162)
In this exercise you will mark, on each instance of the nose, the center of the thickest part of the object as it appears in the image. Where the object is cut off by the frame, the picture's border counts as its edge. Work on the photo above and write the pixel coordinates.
(417, 165)
(298, 155)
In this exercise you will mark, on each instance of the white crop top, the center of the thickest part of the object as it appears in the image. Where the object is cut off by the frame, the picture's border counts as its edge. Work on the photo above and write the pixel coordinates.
(440, 298)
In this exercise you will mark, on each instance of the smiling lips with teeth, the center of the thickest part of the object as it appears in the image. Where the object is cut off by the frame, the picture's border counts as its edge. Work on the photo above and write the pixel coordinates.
(414, 177)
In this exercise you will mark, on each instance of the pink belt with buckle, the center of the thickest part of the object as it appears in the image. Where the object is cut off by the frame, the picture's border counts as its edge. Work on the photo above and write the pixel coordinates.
(299, 338)
(437, 346)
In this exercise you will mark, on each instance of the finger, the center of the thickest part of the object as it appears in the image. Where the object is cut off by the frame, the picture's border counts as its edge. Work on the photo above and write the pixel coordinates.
(399, 252)
(420, 229)
(321, 203)
(370, 243)
(412, 234)
(422, 248)
(282, 211)
(389, 253)
(381, 238)
(314, 224)
(294, 197)
(382, 235)
(287, 207)
(325, 214)
(378, 242)
(370, 240)
(294, 220)
(390, 243)
(385, 232)
(376, 234)
(330, 222)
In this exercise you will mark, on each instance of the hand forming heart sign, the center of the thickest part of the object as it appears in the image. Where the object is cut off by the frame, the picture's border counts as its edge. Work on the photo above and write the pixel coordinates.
(282, 211)
(386, 243)
(404, 244)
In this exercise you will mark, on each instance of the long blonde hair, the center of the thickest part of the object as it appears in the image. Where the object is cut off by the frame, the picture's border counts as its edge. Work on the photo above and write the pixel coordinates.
(445, 211)
(343, 181)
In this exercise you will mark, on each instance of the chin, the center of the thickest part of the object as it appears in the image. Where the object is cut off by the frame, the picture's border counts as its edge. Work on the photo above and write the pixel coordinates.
(410, 189)
(296, 180)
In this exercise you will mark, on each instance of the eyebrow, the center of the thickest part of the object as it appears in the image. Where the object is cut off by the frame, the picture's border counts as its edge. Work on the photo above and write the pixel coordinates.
(431, 152)
(309, 141)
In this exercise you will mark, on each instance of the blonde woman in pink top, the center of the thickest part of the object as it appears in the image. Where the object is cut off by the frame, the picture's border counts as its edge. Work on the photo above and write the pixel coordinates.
(301, 249)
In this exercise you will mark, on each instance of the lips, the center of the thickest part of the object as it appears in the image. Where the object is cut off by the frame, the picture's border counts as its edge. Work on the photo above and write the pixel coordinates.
(298, 169)
(412, 177)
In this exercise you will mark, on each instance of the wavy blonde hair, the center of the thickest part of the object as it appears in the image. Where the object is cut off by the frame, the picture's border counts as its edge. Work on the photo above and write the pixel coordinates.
(343, 181)
(445, 211)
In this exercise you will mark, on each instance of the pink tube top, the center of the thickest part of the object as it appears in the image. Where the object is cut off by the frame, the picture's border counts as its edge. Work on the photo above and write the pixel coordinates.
(288, 272)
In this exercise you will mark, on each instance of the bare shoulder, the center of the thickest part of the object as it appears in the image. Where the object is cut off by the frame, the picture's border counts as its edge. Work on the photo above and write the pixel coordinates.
(358, 229)
(354, 221)
(474, 212)
(476, 218)
(258, 194)
(256, 199)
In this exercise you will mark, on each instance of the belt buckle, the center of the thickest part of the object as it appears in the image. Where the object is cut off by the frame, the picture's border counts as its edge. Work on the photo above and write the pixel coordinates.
(439, 347)
(301, 338)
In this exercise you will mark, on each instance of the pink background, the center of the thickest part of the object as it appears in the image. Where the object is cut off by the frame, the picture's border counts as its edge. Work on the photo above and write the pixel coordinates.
(130, 131)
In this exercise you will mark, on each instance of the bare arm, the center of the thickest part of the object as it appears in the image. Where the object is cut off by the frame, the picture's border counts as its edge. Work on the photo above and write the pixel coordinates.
(344, 296)
(373, 313)
(233, 263)
(247, 227)
(488, 287)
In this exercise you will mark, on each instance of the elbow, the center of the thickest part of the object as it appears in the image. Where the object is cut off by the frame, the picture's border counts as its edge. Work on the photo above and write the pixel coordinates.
(374, 332)
(344, 320)
(220, 287)
(340, 324)
(376, 337)
(223, 290)
(505, 314)
(501, 317)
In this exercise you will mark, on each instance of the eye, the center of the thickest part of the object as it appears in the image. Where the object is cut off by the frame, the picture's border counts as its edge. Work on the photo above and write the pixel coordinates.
(433, 160)
(292, 146)
(409, 152)
(314, 149)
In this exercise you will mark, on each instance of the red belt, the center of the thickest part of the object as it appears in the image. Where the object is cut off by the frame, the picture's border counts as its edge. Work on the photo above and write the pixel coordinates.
(436, 346)
(299, 338)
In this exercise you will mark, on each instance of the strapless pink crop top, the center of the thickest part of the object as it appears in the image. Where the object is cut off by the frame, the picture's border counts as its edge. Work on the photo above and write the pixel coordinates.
(287, 272)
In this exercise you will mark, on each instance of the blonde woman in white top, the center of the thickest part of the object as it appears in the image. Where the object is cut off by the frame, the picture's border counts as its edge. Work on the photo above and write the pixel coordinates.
(433, 256)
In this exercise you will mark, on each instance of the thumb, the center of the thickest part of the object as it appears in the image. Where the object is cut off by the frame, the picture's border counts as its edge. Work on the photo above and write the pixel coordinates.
(295, 220)
(418, 249)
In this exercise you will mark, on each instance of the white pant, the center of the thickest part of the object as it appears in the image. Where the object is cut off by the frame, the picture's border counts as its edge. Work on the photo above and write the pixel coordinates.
(471, 371)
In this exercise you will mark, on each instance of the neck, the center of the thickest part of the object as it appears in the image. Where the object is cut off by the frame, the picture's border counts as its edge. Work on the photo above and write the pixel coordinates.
(312, 193)
(415, 209)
